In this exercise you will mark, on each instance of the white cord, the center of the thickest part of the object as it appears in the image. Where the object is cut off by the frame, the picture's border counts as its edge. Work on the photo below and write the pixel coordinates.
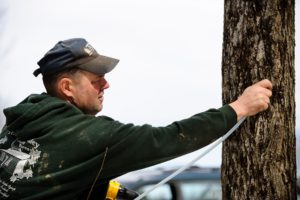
(193, 161)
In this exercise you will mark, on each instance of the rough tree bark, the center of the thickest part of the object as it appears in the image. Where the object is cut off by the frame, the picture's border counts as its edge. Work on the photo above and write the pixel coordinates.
(259, 160)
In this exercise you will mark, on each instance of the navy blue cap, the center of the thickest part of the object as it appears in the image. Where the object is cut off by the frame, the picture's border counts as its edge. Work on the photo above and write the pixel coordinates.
(76, 52)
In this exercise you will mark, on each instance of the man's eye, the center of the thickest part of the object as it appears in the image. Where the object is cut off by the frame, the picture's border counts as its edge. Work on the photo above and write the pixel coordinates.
(95, 82)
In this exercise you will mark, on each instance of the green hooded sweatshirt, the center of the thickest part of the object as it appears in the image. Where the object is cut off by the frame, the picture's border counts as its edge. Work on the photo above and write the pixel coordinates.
(49, 149)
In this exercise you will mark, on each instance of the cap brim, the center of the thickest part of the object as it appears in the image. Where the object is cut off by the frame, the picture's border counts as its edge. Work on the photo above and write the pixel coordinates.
(100, 65)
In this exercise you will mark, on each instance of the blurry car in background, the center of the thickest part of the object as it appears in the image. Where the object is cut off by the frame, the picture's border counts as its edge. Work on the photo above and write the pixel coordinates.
(192, 184)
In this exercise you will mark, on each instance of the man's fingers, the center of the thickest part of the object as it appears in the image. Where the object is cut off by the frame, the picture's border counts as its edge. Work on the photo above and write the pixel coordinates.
(265, 83)
(261, 105)
(267, 92)
(254, 99)
(265, 87)
(264, 102)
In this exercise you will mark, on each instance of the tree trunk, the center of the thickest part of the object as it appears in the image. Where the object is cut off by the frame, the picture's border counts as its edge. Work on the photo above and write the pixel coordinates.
(259, 160)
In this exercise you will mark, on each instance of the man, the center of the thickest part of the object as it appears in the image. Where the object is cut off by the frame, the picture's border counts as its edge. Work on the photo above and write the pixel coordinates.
(53, 146)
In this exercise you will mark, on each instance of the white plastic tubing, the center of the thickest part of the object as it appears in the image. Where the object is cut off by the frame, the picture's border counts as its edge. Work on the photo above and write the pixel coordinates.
(188, 165)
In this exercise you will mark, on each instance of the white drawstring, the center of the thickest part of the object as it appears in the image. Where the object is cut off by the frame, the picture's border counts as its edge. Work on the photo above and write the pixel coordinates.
(220, 140)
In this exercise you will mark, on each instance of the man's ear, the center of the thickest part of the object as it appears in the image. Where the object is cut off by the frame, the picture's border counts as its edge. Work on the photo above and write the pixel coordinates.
(64, 87)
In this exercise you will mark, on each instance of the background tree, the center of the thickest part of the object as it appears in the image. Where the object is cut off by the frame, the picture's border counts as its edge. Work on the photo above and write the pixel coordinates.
(259, 161)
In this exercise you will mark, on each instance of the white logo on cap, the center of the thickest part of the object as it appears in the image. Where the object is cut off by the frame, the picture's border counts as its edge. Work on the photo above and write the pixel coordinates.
(89, 49)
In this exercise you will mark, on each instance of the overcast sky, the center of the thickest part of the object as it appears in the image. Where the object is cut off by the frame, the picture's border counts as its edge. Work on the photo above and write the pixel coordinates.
(170, 52)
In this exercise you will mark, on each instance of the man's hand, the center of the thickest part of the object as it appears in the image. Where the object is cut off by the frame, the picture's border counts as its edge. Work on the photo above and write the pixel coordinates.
(255, 98)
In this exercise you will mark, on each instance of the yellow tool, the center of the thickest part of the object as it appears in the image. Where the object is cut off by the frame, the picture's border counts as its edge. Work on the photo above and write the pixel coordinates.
(116, 191)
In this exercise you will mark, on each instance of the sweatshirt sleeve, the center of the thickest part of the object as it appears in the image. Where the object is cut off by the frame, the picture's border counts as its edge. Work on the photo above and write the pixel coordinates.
(135, 147)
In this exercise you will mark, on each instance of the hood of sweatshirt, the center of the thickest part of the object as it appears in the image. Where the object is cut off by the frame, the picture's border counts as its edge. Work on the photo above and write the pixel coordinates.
(35, 113)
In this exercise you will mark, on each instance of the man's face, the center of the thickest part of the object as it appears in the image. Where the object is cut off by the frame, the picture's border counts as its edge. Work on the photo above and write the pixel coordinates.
(88, 92)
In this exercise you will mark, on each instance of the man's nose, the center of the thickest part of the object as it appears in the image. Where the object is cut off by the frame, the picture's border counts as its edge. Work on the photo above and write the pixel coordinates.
(106, 85)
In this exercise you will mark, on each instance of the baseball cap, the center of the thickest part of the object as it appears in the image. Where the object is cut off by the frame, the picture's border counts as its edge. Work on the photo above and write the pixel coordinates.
(75, 52)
